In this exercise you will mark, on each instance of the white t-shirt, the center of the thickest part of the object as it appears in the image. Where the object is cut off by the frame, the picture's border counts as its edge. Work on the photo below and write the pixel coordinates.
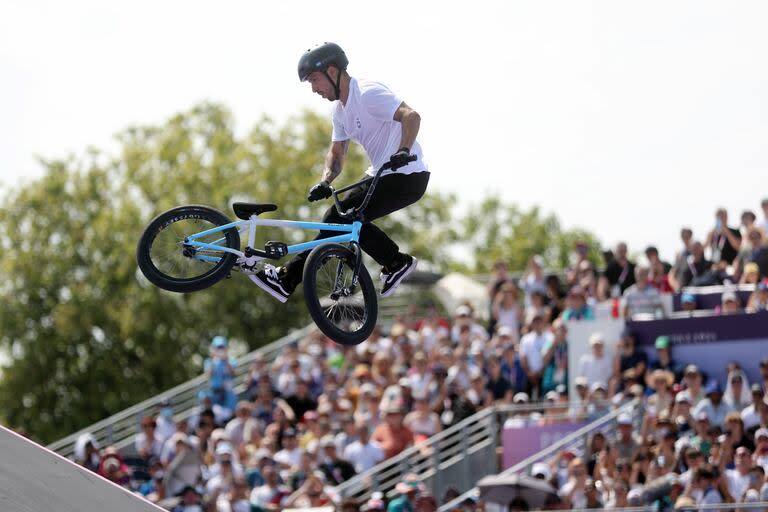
(531, 346)
(363, 456)
(367, 119)
(595, 370)
(737, 483)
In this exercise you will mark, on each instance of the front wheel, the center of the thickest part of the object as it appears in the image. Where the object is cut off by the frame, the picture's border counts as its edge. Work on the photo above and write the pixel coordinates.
(170, 263)
(343, 311)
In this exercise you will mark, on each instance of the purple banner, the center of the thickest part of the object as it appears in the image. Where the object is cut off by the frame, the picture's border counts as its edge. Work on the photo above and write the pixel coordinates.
(522, 442)
(710, 342)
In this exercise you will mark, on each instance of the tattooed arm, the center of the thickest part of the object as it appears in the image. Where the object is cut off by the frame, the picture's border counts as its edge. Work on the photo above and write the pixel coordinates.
(334, 160)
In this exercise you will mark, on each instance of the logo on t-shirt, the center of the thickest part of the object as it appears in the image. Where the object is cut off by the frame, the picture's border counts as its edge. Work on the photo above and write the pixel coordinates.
(359, 124)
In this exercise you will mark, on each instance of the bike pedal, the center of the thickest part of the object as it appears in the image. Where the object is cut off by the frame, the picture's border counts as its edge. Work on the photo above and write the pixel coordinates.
(275, 250)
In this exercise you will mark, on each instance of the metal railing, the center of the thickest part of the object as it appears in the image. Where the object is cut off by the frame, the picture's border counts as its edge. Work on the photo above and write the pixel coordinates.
(456, 457)
(576, 441)
(120, 429)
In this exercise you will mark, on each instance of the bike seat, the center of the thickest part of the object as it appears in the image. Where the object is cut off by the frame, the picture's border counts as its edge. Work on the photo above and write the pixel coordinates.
(245, 210)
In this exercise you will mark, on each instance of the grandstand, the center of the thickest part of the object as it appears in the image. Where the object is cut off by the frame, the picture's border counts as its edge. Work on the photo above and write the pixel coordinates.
(303, 403)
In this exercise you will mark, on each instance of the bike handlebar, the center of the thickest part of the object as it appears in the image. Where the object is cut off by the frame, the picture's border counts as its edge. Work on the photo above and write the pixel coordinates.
(373, 180)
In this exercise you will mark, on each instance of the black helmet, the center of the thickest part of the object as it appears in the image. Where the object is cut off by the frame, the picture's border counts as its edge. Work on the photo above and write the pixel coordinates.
(320, 57)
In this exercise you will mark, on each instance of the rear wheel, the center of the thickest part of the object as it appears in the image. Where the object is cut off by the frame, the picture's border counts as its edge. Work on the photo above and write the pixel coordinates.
(171, 264)
(343, 312)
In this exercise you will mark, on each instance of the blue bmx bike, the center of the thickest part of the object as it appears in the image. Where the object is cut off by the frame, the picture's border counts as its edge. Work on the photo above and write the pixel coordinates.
(190, 248)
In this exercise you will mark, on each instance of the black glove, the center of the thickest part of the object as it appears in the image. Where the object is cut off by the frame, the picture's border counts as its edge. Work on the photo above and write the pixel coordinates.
(400, 159)
(320, 191)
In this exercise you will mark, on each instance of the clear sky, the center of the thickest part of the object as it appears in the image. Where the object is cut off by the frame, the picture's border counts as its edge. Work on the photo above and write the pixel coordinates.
(626, 118)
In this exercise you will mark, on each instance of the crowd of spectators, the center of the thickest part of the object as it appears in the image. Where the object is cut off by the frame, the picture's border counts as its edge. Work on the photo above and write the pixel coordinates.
(321, 413)
(694, 442)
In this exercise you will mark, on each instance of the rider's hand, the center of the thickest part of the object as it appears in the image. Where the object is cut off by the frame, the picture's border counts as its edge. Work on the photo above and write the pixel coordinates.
(399, 159)
(320, 191)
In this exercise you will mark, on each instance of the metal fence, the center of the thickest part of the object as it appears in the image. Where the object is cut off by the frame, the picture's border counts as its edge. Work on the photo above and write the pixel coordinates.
(576, 442)
(456, 457)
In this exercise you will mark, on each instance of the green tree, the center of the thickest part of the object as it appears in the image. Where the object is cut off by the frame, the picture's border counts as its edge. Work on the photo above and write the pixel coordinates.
(494, 230)
(87, 336)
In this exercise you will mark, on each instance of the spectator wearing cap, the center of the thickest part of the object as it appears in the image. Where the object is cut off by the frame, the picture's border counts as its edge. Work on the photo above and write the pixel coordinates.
(664, 360)
(408, 490)
(556, 358)
(363, 454)
(464, 321)
(185, 467)
(335, 469)
(750, 415)
(761, 448)
(642, 299)
(237, 425)
(219, 367)
(682, 413)
(713, 405)
(688, 303)
(737, 394)
(477, 393)
(628, 356)
(164, 420)
(113, 468)
(576, 307)
(619, 271)
(596, 366)
(730, 303)
(154, 489)
(392, 435)
(532, 353)
(348, 434)
(224, 473)
(758, 299)
(505, 309)
(625, 443)
(692, 379)
(148, 443)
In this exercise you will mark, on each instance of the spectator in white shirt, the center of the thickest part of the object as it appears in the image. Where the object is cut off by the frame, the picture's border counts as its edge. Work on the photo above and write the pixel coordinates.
(750, 414)
(532, 353)
(738, 478)
(290, 456)
(363, 454)
(596, 366)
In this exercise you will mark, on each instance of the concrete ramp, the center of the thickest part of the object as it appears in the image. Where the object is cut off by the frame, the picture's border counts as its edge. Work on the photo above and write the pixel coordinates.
(35, 479)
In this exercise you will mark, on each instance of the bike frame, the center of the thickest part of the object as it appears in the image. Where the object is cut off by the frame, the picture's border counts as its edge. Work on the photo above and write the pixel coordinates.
(351, 234)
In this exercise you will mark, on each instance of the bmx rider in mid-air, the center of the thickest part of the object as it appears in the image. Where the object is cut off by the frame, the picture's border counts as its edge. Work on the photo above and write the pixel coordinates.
(374, 117)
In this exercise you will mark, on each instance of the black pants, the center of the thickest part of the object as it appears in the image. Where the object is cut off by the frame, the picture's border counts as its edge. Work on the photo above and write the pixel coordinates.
(393, 192)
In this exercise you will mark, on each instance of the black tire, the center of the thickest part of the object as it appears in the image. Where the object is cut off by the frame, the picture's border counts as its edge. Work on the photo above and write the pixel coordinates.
(160, 250)
(348, 321)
